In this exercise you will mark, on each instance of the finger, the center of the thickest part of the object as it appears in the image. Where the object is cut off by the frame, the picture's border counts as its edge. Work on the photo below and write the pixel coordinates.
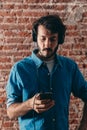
(40, 110)
(45, 101)
(45, 106)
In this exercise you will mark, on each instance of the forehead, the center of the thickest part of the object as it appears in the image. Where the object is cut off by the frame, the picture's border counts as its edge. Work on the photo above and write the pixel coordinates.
(44, 31)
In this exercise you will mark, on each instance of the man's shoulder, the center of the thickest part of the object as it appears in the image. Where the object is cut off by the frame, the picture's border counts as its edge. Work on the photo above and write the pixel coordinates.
(24, 63)
(67, 61)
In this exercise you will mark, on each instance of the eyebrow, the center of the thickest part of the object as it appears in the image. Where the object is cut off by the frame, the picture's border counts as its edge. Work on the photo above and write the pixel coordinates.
(50, 36)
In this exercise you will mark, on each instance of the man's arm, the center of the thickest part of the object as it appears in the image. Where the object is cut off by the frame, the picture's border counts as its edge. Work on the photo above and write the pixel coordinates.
(19, 109)
(16, 110)
(83, 123)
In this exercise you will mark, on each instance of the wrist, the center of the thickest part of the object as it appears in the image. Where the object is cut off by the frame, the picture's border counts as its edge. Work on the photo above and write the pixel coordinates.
(29, 104)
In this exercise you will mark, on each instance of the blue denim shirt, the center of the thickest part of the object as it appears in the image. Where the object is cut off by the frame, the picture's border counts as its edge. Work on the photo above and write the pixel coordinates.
(30, 76)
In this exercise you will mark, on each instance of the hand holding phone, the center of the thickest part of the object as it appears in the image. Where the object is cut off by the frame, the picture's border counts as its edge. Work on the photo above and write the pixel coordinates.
(43, 101)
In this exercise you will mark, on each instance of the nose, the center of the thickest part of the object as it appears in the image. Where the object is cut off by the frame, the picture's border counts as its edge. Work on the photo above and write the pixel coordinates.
(47, 43)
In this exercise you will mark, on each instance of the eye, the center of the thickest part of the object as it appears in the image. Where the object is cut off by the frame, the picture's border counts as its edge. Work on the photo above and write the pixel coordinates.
(42, 39)
(53, 39)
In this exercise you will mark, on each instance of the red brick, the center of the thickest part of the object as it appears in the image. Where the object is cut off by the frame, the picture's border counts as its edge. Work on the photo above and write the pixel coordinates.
(5, 59)
(85, 14)
(5, 66)
(8, 124)
(37, 1)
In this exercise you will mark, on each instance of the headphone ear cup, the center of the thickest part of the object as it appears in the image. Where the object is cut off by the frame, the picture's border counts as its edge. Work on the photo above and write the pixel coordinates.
(61, 40)
(34, 36)
(61, 37)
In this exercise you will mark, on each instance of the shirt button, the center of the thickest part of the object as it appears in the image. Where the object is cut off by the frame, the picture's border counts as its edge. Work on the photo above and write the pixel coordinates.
(54, 119)
(51, 88)
(48, 74)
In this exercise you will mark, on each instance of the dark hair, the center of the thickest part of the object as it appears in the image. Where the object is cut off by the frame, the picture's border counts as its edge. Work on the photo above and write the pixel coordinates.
(52, 23)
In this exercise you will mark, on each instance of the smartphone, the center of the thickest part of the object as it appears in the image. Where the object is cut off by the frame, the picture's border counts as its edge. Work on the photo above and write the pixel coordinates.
(45, 95)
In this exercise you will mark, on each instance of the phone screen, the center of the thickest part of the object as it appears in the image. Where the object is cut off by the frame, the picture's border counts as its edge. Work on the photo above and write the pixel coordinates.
(45, 95)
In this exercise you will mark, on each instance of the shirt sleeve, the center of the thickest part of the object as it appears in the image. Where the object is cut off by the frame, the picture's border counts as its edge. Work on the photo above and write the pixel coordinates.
(79, 84)
(13, 88)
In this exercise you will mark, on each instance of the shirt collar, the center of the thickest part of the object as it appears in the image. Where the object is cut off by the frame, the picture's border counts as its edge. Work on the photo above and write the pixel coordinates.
(39, 62)
(58, 60)
(36, 59)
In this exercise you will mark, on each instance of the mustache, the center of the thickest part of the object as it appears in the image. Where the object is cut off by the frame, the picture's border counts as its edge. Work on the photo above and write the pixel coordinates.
(48, 49)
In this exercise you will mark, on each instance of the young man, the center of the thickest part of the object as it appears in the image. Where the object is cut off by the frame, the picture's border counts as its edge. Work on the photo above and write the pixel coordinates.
(44, 72)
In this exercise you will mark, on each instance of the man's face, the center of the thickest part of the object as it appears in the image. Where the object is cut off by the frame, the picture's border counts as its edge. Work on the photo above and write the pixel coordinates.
(47, 42)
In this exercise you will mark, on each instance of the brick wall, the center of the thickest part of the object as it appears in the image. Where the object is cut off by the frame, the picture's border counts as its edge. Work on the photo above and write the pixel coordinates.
(16, 19)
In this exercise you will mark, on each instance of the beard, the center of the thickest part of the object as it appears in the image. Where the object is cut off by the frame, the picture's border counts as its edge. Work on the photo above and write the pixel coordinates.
(53, 52)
